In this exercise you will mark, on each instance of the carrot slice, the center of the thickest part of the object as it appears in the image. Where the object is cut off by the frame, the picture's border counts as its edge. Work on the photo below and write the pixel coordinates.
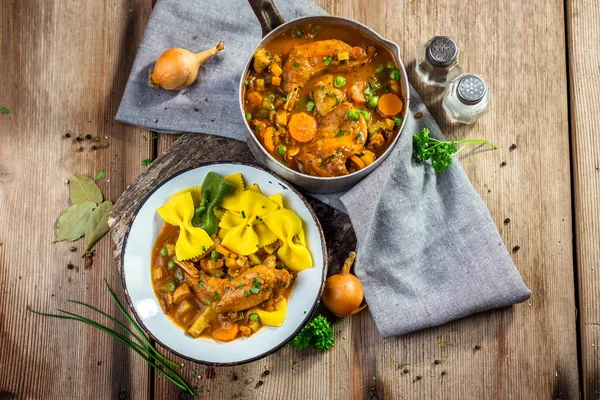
(227, 333)
(302, 127)
(359, 163)
(268, 139)
(390, 104)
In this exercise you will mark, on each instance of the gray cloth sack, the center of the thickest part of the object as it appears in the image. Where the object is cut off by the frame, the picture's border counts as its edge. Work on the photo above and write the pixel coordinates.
(428, 250)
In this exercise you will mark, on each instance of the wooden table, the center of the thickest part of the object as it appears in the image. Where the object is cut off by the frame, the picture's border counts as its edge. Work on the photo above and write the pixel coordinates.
(63, 67)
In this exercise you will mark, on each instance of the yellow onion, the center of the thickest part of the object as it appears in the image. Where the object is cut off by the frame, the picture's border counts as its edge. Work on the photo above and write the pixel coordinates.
(343, 291)
(177, 68)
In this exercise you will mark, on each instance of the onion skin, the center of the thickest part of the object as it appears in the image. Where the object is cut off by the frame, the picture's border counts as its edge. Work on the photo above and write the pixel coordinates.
(177, 68)
(343, 291)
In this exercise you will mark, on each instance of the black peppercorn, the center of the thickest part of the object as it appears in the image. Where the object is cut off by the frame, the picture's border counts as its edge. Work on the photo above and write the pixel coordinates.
(70, 266)
(503, 163)
(67, 135)
(513, 146)
(516, 248)
(88, 136)
(477, 347)
(507, 220)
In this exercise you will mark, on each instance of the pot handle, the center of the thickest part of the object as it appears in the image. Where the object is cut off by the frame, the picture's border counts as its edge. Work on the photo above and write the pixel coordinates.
(267, 15)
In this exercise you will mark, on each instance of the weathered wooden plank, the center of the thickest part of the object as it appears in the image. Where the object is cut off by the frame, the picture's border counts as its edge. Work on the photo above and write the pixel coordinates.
(64, 68)
(583, 19)
(528, 351)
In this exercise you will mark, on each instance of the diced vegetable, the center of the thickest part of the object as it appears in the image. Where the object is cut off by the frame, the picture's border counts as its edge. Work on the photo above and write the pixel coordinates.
(181, 293)
(254, 100)
(254, 259)
(259, 84)
(268, 139)
(216, 272)
(184, 307)
(224, 251)
(168, 286)
(157, 273)
(368, 157)
(231, 263)
(302, 127)
(375, 128)
(215, 264)
(201, 322)
(343, 56)
(241, 260)
(276, 81)
(254, 326)
(281, 117)
(262, 59)
(310, 106)
(275, 69)
(373, 101)
(377, 141)
(394, 86)
(228, 333)
(339, 82)
(388, 124)
(390, 105)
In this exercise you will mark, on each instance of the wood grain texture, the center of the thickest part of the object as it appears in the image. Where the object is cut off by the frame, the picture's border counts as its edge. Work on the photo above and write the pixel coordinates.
(583, 19)
(64, 68)
(524, 352)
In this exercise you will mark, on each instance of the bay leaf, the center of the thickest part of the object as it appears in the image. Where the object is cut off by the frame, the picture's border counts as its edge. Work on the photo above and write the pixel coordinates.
(97, 225)
(82, 189)
(72, 223)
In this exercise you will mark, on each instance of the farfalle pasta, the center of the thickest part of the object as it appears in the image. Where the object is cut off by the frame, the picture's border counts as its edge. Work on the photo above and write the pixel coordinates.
(227, 250)
(179, 211)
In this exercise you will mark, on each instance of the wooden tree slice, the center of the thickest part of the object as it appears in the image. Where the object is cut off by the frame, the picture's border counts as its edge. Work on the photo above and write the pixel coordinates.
(193, 149)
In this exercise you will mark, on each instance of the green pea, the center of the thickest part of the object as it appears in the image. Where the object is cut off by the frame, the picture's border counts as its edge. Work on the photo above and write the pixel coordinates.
(281, 149)
(366, 115)
(353, 115)
(172, 264)
(271, 97)
(164, 251)
(214, 255)
(395, 74)
(310, 106)
(380, 68)
(253, 317)
(339, 82)
(397, 121)
(373, 101)
(248, 116)
(390, 65)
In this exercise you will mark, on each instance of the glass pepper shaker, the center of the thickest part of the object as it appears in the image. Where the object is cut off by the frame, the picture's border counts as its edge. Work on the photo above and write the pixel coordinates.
(467, 98)
(437, 61)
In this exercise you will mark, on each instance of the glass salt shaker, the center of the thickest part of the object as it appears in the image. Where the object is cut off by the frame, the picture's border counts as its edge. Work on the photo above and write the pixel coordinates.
(437, 61)
(467, 98)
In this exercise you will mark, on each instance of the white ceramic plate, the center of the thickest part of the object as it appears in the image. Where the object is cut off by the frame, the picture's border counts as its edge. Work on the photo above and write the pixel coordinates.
(136, 263)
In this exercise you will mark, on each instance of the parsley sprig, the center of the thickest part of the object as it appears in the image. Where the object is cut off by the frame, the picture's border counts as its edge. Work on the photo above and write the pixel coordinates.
(317, 334)
(440, 152)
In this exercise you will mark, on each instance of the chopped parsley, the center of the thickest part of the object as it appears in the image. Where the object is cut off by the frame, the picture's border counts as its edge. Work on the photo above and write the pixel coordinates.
(254, 290)
(340, 134)
(243, 214)
(296, 65)
(4, 110)
(216, 296)
(195, 37)
(201, 283)
(245, 293)
(146, 162)
(100, 175)
(328, 60)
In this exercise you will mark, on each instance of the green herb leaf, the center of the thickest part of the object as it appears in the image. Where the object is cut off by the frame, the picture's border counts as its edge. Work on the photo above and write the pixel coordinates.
(4, 110)
(83, 189)
(71, 224)
(100, 175)
(254, 290)
(296, 65)
(195, 37)
(328, 60)
(97, 225)
(440, 152)
(214, 188)
(317, 334)
(146, 162)
(340, 134)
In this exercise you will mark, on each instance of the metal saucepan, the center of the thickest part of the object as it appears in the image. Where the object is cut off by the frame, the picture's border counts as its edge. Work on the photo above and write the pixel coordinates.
(272, 24)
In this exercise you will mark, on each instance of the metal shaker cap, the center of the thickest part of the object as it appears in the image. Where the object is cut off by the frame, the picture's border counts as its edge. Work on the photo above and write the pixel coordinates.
(442, 51)
(471, 89)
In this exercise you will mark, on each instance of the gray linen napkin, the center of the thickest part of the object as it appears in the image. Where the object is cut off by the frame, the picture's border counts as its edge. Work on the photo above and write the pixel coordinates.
(428, 250)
